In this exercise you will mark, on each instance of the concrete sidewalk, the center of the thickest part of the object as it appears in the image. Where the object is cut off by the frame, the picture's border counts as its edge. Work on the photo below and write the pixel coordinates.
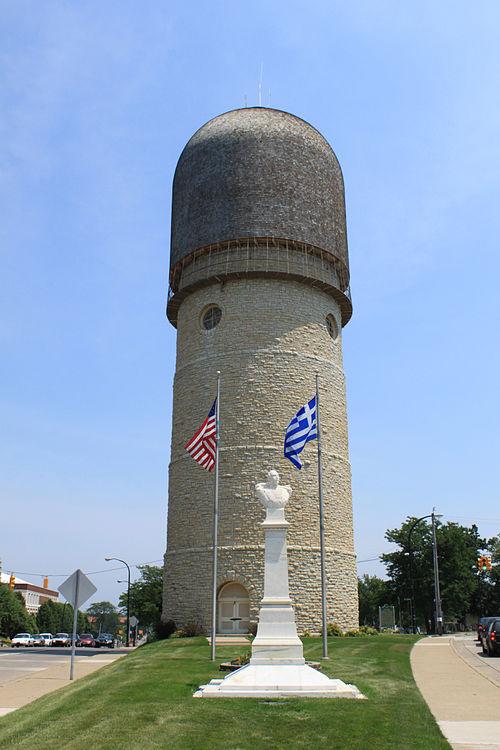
(461, 689)
(28, 688)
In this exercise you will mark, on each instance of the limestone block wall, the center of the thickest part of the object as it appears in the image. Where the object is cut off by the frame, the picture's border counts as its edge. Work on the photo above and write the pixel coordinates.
(269, 345)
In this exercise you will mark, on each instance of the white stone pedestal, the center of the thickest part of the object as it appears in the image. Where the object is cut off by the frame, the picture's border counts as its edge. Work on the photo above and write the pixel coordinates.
(277, 668)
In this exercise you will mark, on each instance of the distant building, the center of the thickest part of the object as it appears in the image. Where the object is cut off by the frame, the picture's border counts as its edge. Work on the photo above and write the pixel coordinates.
(34, 596)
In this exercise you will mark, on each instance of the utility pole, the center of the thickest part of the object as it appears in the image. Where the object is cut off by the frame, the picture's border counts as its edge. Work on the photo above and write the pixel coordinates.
(436, 571)
(437, 594)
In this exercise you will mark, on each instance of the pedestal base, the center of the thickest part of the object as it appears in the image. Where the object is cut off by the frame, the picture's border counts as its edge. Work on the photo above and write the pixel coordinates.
(277, 681)
(277, 668)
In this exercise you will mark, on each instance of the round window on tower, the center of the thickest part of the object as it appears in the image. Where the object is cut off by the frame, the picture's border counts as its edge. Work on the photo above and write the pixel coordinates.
(331, 326)
(210, 317)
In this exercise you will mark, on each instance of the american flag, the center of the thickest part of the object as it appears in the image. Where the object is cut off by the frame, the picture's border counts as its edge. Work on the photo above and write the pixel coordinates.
(202, 446)
(301, 429)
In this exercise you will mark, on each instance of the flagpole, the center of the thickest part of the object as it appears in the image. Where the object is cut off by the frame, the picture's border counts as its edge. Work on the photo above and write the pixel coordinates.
(216, 514)
(321, 527)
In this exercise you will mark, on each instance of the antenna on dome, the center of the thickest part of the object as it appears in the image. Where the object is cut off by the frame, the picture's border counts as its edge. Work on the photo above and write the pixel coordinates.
(260, 83)
(246, 103)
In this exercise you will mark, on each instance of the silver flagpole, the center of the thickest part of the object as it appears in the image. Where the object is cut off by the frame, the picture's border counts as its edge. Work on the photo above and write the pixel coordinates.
(216, 514)
(321, 527)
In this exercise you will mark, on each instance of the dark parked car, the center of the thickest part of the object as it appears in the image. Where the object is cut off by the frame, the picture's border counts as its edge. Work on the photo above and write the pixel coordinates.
(492, 638)
(483, 626)
(105, 640)
(85, 639)
(61, 639)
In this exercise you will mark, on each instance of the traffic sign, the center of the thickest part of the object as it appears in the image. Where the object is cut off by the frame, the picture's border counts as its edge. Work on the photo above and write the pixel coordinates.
(77, 588)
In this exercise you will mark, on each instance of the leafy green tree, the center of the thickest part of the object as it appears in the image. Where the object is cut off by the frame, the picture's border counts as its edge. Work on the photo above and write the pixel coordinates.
(48, 617)
(14, 617)
(373, 592)
(103, 618)
(489, 580)
(146, 596)
(458, 550)
(56, 617)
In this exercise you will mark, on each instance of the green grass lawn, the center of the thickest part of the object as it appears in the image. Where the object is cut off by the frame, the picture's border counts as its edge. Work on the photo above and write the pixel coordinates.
(144, 701)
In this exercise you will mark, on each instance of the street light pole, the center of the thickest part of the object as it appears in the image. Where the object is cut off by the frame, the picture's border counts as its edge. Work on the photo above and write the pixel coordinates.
(128, 595)
(412, 577)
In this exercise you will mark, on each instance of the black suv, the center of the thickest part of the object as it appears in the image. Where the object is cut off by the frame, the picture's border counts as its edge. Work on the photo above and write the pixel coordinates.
(483, 627)
(491, 641)
(105, 640)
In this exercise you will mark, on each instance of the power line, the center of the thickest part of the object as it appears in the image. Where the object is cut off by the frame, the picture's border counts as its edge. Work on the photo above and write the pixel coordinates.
(90, 573)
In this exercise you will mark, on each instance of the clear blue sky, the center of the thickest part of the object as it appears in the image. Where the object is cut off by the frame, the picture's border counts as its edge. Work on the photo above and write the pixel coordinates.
(97, 102)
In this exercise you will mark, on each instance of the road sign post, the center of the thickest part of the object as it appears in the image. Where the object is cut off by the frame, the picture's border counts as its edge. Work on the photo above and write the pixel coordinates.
(76, 590)
(134, 623)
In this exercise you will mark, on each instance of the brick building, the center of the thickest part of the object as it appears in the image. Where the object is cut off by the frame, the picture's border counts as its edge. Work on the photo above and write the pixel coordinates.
(34, 596)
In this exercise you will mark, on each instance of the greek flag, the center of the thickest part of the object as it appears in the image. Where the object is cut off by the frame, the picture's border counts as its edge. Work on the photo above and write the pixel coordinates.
(301, 429)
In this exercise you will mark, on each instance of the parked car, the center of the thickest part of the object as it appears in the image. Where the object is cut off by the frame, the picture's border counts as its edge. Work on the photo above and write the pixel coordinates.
(105, 640)
(22, 639)
(46, 638)
(492, 638)
(484, 631)
(61, 639)
(38, 640)
(86, 640)
(482, 626)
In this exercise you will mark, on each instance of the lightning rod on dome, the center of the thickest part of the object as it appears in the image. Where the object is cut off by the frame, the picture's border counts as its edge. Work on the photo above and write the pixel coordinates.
(260, 83)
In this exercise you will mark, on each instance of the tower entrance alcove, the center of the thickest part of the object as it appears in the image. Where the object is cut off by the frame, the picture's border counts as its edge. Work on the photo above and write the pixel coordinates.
(233, 609)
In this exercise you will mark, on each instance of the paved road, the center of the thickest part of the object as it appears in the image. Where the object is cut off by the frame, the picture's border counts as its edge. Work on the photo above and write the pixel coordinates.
(28, 673)
(470, 650)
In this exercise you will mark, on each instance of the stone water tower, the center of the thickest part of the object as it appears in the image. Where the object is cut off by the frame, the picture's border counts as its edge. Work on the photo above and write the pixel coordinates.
(259, 289)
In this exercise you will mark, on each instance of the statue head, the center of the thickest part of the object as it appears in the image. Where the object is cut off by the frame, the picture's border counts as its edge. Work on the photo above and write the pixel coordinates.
(273, 478)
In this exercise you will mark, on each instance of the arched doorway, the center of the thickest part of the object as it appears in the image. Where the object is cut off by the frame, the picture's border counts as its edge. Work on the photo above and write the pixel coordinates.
(233, 609)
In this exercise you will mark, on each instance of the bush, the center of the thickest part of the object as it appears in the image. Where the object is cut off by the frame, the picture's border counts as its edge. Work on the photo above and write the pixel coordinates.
(178, 634)
(306, 634)
(352, 633)
(164, 629)
(192, 629)
(332, 629)
(367, 630)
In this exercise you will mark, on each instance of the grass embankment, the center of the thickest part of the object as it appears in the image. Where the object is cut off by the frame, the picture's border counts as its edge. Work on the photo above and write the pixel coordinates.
(145, 701)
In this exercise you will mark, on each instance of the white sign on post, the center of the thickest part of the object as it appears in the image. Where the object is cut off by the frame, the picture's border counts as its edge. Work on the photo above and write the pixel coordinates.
(76, 590)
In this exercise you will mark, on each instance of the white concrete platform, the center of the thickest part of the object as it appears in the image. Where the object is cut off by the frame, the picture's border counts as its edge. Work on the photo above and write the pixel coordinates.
(277, 681)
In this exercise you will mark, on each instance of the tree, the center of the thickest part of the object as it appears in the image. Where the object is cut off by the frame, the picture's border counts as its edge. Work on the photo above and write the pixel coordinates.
(489, 580)
(14, 617)
(56, 617)
(103, 617)
(146, 596)
(373, 592)
(458, 550)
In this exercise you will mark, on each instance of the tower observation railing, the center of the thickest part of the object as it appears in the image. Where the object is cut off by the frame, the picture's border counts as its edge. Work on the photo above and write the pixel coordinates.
(262, 257)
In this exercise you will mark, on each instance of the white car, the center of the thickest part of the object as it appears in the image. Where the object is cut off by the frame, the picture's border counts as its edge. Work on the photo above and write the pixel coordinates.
(47, 638)
(22, 639)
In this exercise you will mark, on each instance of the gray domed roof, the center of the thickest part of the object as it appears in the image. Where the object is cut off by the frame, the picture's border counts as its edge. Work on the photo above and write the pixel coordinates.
(258, 172)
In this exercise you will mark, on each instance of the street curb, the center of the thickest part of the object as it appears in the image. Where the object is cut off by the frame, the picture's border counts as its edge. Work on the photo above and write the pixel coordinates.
(464, 656)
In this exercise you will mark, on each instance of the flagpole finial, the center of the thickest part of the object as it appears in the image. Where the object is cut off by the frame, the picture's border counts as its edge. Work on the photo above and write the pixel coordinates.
(218, 372)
